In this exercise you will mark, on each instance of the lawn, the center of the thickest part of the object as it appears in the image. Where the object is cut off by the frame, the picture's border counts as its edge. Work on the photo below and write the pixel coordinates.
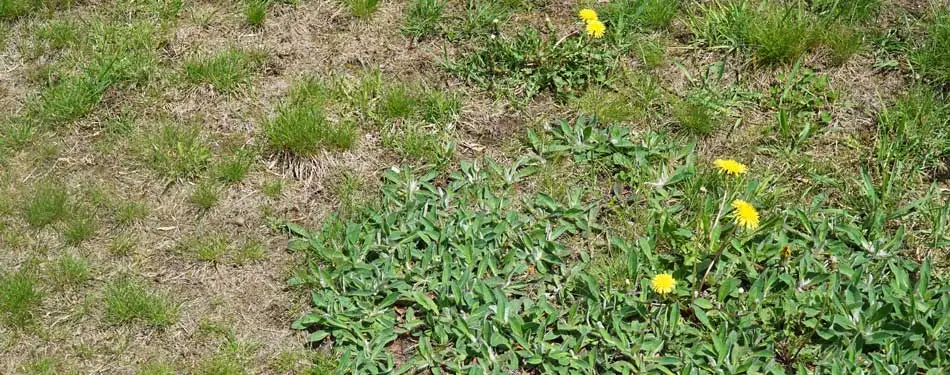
(492, 186)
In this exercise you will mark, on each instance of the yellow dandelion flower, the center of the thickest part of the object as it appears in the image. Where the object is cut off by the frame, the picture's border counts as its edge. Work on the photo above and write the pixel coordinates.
(730, 166)
(663, 283)
(587, 15)
(745, 214)
(596, 28)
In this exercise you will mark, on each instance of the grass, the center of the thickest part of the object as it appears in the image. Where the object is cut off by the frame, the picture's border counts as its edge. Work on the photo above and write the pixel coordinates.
(250, 251)
(225, 71)
(47, 204)
(423, 18)
(255, 11)
(130, 212)
(301, 126)
(121, 245)
(362, 8)
(695, 117)
(177, 151)
(273, 188)
(80, 228)
(128, 301)
(206, 195)
(932, 57)
(20, 297)
(773, 34)
(69, 272)
(456, 208)
(234, 168)
(211, 248)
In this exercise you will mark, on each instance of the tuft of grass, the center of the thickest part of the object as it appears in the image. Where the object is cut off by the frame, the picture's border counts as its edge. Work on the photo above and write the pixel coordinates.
(255, 11)
(250, 251)
(70, 99)
(398, 101)
(47, 204)
(19, 298)
(235, 167)
(176, 151)
(418, 142)
(157, 368)
(772, 33)
(273, 188)
(694, 117)
(128, 301)
(422, 18)
(438, 106)
(932, 56)
(362, 8)
(301, 126)
(121, 245)
(79, 228)
(59, 34)
(69, 271)
(205, 195)
(211, 248)
(225, 71)
(128, 213)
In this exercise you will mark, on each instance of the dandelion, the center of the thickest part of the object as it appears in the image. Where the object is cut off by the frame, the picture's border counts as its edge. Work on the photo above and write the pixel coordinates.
(588, 15)
(730, 166)
(663, 283)
(745, 214)
(596, 28)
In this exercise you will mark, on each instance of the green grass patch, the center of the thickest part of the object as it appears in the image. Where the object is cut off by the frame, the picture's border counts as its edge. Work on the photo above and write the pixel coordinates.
(255, 11)
(301, 125)
(128, 301)
(225, 71)
(423, 18)
(176, 151)
(47, 204)
(20, 298)
(80, 227)
(234, 168)
(932, 57)
(206, 195)
(69, 271)
(362, 8)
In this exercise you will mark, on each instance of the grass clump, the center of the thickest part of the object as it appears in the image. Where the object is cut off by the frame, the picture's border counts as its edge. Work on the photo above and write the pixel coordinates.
(121, 245)
(362, 8)
(69, 271)
(20, 297)
(206, 195)
(46, 205)
(772, 33)
(225, 71)
(176, 151)
(79, 228)
(211, 248)
(128, 213)
(422, 18)
(128, 301)
(695, 117)
(235, 167)
(301, 126)
(255, 11)
(932, 56)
